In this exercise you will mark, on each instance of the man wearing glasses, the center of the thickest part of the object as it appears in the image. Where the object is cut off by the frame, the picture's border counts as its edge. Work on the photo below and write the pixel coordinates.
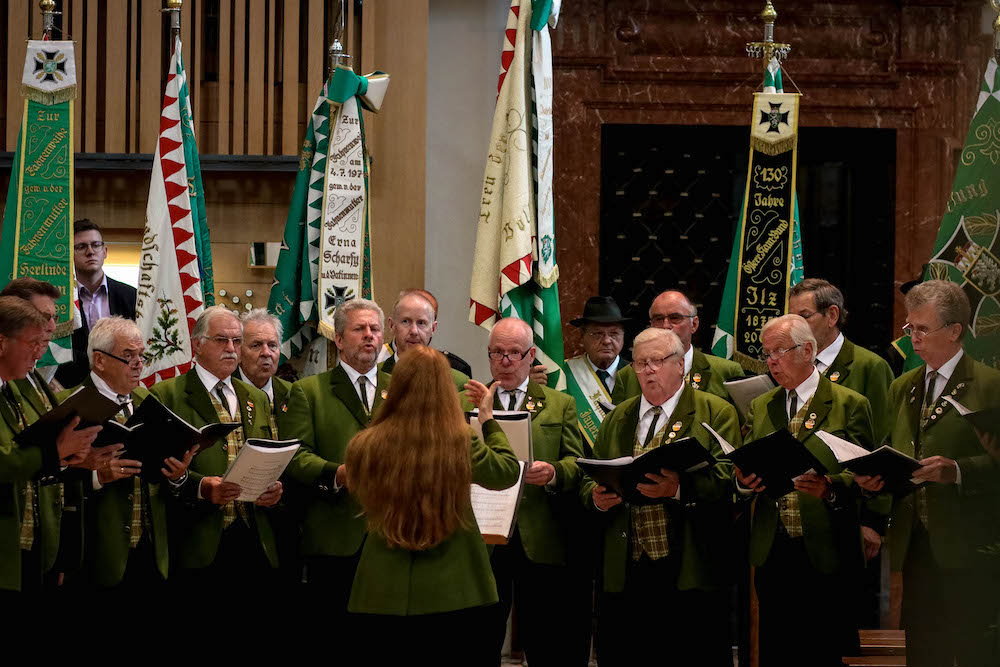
(532, 567)
(665, 580)
(126, 524)
(808, 542)
(100, 296)
(837, 358)
(673, 311)
(938, 534)
(221, 543)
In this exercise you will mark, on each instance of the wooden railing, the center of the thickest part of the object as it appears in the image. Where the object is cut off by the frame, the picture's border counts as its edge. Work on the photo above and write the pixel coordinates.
(255, 68)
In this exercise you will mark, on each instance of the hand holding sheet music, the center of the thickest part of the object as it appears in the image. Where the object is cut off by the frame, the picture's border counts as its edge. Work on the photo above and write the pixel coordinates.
(258, 465)
(496, 511)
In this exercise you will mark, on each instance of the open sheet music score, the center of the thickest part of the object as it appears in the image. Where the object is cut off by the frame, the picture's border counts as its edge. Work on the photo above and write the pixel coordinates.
(516, 426)
(259, 464)
(744, 390)
(496, 511)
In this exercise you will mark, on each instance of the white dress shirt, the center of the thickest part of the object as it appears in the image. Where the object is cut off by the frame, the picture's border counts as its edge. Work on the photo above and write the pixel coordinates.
(804, 392)
(610, 370)
(372, 377)
(519, 393)
(826, 356)
(210, 381)
(646, 415)
(688, 360)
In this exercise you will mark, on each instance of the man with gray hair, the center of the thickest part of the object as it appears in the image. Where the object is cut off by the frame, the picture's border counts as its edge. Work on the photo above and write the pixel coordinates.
(810, 539)
(325, 411)
(821, 304)
(937, 534)
(260, 353)
(665, 584)
(220, 542)
(125, 537)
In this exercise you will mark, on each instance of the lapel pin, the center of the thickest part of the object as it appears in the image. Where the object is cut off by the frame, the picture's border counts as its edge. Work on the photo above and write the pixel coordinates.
(812, 415)
(671, 435)
(933, 417)
(696, 377)
(938, 410)
(810, 423)
(834, 376)
(284, 407)
(540, 405)
(913, 399)
(676, 427)
(530, 405)
(384, 394)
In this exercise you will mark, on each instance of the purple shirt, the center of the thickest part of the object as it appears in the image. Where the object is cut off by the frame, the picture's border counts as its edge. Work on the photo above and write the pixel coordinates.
(96, 305)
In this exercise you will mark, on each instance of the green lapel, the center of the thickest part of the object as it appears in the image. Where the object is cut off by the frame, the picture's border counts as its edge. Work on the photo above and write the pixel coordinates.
(630, 422)
(381, 387)
(820, 405)
(534, 400)
(243, 402)
(841, 366)
(683, 413)
(701, 372)
(388, 365)
(9, 415)
(30, 394)
(198, 397)
(960, 382)
(911, 406)
(348, 395)
(776, 410)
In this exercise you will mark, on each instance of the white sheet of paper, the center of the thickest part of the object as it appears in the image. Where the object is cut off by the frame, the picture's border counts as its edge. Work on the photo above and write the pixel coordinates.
(257, 468)
(843, 450)
(516, 426)
(726, 447)
(745, 390)
(495, 510)
(962, 410)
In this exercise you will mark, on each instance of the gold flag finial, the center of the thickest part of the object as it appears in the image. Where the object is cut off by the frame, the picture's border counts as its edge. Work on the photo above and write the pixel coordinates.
(174, 9)
(49, 12)
(768, 48)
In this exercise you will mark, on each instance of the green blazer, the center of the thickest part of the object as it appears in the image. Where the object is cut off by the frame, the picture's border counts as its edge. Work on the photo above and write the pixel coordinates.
(699, 523)
(960, 518)
(18, 466)
(198, 523)
(708, 372)
(278, 386)
(544, 515)
(455, 574)
(324, 412)
(870, 375)
(458, 377)
(108, 520)
(832, 531)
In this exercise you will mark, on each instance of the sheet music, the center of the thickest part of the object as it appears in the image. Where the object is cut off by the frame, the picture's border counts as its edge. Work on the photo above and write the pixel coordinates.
(962, 410)
(726, 447)
(843, 450)
(496, 510)
(516, 426)
(257, 468)
(744, 390)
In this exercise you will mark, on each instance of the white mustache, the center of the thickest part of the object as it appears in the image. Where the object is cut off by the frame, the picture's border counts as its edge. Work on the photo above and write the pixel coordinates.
(227, 356)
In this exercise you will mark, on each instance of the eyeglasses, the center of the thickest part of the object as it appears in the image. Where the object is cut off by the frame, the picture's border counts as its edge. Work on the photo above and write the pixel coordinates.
(651, 364)
(36, 344)
(222, 340)
(674, 318)
(94, 245)
(919, 333)
(598, 336)
(497, 355)
(130, 360)
(777, 354)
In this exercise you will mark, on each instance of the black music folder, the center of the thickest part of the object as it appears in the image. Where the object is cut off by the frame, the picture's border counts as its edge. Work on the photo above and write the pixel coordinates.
(777, 459)
(987, 420)
(623, 474)
(87, 403)
(895, 467)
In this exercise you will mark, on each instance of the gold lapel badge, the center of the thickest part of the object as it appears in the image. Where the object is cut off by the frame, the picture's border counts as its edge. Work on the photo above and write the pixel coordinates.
(284, 407)
(696, 380)
(834, 376)
(530, 405)
(671, 435)
(810, 423)
(385, 394)
(677, 426)
(938, 410)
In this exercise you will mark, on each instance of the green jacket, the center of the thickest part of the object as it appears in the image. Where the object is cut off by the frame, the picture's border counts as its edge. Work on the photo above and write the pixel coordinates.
(708, 372)
(455, 574)
(870, 375)
(278, 386)
(18, 466)
(960, 518)
(458, 377)
(831, 530)
(108, 520)
(324, 412)
(545, 514)
(197, 523)
(699, 522)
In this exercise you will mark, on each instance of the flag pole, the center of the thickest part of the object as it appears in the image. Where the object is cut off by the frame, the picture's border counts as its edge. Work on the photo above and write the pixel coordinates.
(174, 9)
(336, 53)
(49, 12)
(768, 48)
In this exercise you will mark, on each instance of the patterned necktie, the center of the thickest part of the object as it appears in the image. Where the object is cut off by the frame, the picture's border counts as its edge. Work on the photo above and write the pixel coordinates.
(794, 407)
(126, 405)
(603, 376)
(657, 411)
(512, 400)
(220, 392)
(928, 403)
(363, 390)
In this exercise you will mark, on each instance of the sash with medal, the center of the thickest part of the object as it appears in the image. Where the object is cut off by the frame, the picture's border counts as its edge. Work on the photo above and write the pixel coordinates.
(583, 384)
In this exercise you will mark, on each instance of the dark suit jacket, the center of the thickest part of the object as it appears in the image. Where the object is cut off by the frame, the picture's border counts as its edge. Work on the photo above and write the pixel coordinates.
(121, 301)
(280, 388)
